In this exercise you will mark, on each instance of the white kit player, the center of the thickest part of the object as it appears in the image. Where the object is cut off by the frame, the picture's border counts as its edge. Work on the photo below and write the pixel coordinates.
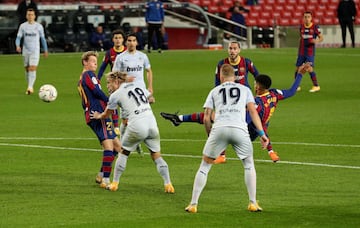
(134, 63)
(142, 126)
(229, 101)
(32, 33)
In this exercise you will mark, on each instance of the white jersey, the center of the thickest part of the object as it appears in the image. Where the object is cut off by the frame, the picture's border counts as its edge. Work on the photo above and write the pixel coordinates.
(31, 33)
(132, 100)
(133, 64)
(229, 101)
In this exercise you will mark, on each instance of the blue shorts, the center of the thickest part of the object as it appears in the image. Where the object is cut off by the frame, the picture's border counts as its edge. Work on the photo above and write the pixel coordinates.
(305, 58)
(252, 131)
(103, 129)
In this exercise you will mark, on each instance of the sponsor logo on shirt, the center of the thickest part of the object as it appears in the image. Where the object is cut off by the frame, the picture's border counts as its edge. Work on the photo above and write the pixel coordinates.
(132, 69)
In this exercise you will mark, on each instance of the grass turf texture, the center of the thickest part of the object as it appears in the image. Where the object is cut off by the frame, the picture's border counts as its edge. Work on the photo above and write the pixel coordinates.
(49, 157)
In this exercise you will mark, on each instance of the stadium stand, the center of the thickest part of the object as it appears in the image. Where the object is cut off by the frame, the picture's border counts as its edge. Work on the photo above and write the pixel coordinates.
(279, 12)
(68, 25)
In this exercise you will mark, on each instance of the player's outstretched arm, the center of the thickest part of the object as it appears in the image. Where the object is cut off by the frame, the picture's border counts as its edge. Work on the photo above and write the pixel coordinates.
(306, 67)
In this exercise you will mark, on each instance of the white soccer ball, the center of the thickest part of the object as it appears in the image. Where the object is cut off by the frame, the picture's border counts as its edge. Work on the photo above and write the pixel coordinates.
(47, 93)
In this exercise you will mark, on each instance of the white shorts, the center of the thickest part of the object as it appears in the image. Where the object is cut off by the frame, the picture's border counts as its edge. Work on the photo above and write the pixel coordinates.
(31, 59)
(143, 130)
(221, 137)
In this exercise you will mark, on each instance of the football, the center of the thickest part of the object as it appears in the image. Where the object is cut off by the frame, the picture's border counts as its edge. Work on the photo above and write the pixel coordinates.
(47, 93)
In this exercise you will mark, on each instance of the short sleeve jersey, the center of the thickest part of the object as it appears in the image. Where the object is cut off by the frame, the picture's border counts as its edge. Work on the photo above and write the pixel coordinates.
(31, 34)
(133, 64)
(132, 99)
(229, 101)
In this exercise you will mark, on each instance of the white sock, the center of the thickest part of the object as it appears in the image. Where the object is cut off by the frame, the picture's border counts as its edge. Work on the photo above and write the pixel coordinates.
(120, 166)
(32, 78)
(122, 129)
(250, 178)
(163, 169)
(200, 181)
(180, 117)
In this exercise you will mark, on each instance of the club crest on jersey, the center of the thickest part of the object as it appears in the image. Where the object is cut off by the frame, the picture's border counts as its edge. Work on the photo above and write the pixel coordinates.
(94, 80)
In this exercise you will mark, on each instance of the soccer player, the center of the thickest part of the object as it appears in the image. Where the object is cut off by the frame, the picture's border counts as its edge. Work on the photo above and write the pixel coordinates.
(310, 35)
(118, 37)
(242, 66)
(32, 34)
(229, 101)
(134, 62)
(134, 102)
(266, 102)
(94, 99)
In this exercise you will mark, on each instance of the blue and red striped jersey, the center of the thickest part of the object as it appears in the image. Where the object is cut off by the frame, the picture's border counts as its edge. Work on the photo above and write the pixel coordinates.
(92, 96)
(266, 103)
(241, 69)
(109, 59)
(307, 34)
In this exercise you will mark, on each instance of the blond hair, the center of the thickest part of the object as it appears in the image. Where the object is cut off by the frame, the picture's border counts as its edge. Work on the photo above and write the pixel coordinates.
(86, 55)
(227, 71)
(117, 75)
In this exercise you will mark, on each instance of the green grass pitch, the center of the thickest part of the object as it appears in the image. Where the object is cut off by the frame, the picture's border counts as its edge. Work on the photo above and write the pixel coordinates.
(49, 157)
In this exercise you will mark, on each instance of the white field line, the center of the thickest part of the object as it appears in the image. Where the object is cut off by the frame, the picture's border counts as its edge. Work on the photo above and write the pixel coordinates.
(182, 140)
(179, 155)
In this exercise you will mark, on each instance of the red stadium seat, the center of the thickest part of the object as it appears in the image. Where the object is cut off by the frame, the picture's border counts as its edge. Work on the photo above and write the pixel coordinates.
(332, 7)
(321, 8)
(328, 21)
(205, 3)
(286, 14)
(291, 2)
(281, 2)
(330, 14)
(254, 14)
(227, 2)
(267, 8)
(213, 9)
(319, 14)
(265, 22)
(278, 8)
(298, 14)
(276, 14)
(251, 22)
(269, 2)
(256, 8)
(313, 2)
(311, 8)
(196, 2)
(284, 22)
(300, 8)
(223, 9)
(291, 8)
(295, 21)
(266, 14)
